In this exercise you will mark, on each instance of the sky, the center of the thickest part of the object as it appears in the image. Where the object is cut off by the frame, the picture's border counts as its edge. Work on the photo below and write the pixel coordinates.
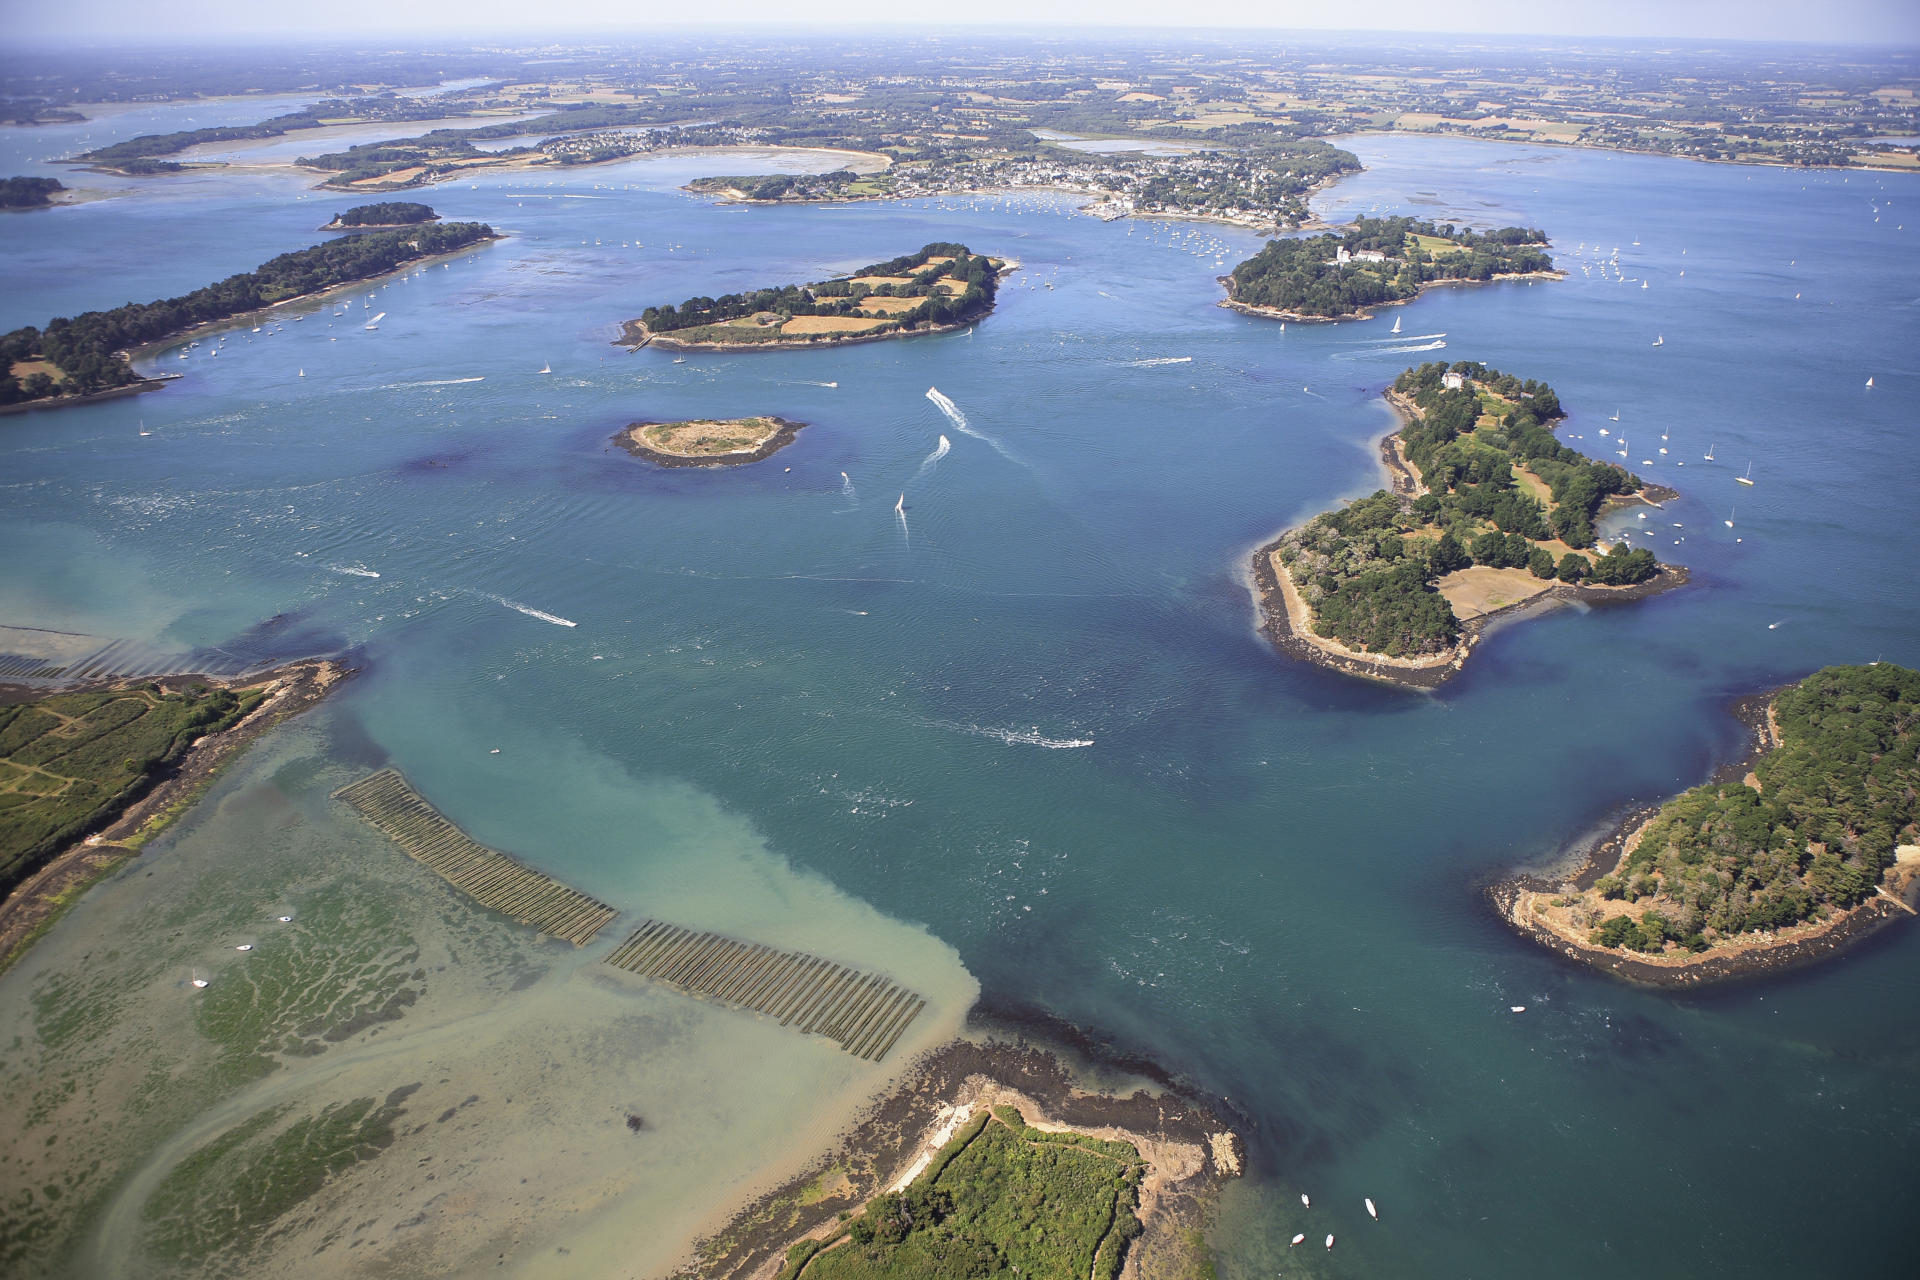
(1882, 22)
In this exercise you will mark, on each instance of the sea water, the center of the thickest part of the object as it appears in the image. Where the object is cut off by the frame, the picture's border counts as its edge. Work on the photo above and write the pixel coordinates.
(1023, 732)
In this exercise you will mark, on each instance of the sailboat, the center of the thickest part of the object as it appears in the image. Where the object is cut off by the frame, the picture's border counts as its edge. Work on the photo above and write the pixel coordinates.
(375, 322)
(1710, 449)
(1660, 341)
(900, 507)
(1615, 417)
(303, 373)
(1730, 515)
(1869, 384)
(1748, 478)
(547, 368)
(1396, 324)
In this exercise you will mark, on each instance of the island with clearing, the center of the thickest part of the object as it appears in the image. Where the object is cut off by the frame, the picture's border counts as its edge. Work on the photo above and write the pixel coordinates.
(1489, 513)
(1809, 843)
(708, 442)
(1376, 262)
(940, 288)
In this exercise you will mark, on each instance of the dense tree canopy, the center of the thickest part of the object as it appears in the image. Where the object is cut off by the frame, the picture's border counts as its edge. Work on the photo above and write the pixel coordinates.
(1834, 800)
(28, 193)
(388, 213)
(1302, 276)
(87, 349)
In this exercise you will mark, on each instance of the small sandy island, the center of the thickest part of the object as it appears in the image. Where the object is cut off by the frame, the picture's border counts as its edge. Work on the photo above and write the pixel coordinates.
(1603, 878)
(708, 442)
(1183, 1153)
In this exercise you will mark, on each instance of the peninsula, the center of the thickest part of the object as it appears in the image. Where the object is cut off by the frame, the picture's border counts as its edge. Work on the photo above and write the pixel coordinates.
(1807, 844)
(1489, 513)
(91, 775)
(939, 288)
(87, 357)
(1376, 262)
(989, 1153)
(708, 442)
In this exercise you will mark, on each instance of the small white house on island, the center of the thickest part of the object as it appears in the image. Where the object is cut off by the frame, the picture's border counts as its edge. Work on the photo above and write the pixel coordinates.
(1453, 381)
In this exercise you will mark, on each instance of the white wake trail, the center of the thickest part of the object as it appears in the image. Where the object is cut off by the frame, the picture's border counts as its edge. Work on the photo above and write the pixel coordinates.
(529, 610)
(846, 487)
(959, 421)
(939, 452)
(358, 571)
(1159, 360)
(1014, 737)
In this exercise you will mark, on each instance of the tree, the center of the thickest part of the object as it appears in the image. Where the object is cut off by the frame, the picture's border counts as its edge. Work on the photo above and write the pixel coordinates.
(1540, 563)
(1573, 567)
(1447, 556)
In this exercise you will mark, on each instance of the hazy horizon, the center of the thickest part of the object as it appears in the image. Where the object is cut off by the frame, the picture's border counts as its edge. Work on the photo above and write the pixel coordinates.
(1880, 23)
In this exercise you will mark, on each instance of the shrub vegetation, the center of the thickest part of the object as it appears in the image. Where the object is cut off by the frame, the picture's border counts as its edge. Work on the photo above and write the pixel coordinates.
(1835, 799)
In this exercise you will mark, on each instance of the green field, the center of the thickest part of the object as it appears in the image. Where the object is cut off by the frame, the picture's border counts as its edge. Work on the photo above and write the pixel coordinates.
(1001, 1200)
(69, 761)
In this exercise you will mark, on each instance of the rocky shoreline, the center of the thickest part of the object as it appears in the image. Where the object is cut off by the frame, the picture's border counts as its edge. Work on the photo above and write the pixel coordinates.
(629, 438)
(1191, 1149)
(1514, 897)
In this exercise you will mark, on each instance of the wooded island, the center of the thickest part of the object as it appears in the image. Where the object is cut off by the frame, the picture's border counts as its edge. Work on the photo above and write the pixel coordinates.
(1489, 511)
(1376, 262)
(1780, 858)
(87, 355)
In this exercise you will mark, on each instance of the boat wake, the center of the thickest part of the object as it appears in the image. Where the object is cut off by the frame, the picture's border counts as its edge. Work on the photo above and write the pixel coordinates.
(1398, 337)
(846, 488)
(529, 610)
(1159, 360)
(358, 571)
(1013, 737)
(437, 382)
(1370, 353)
(932, 459)
(959, 421)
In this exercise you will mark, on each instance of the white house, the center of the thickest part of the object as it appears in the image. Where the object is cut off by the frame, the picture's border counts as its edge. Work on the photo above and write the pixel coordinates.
(1453, 381)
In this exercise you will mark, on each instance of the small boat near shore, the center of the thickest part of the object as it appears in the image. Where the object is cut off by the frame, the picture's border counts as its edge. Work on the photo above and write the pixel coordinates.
(375, 322)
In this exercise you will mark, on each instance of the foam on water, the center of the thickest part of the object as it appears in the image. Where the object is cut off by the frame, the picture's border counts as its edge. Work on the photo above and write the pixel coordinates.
(939, 452)
(959, 420)
(528, 609)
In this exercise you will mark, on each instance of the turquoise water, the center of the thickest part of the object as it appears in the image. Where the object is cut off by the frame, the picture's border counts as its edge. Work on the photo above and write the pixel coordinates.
(1033, 716)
